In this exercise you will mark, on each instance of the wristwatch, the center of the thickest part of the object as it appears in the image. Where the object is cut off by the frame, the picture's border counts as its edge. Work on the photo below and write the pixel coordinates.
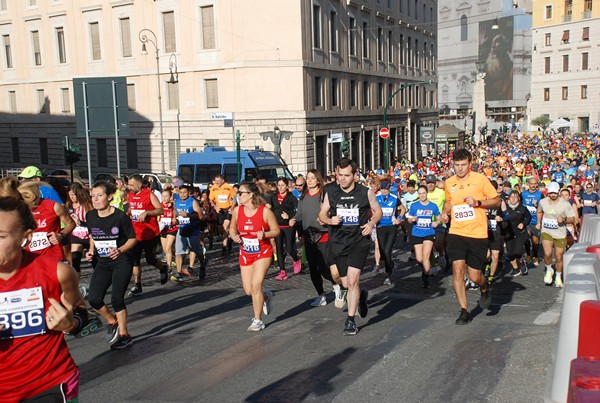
(478, 203)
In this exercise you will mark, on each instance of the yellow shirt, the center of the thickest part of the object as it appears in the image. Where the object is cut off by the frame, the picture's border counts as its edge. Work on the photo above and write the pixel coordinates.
(222, 196)
(438, 196)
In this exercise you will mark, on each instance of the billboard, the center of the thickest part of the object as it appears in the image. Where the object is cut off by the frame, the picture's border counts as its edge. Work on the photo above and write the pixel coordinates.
(496, 53)
(426, 134)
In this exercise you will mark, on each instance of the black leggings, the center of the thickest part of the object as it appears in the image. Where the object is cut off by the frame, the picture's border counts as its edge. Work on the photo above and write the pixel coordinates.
(287, 237)
(107, 272)
(386, 235)
(315, 255)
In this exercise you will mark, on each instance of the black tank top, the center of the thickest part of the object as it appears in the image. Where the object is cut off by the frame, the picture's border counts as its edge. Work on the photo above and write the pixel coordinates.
(354, 209)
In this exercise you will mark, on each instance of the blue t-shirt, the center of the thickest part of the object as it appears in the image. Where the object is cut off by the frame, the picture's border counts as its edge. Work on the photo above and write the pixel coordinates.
(388, 204)
(590, 201)
(559, 177)
(425, 214)
(531, 200)
(47, 192)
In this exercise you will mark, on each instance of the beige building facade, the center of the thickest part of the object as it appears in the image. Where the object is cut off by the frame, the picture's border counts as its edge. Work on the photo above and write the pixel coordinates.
(565, 82)
(312, 68)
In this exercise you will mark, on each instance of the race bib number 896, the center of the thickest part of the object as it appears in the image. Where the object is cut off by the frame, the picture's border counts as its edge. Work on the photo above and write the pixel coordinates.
(22, 313)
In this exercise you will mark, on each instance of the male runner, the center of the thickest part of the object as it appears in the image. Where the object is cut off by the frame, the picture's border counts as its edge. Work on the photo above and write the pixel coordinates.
(221, 198)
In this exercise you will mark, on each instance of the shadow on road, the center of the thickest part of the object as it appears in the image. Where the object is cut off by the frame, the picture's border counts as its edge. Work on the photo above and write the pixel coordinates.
(299, 385)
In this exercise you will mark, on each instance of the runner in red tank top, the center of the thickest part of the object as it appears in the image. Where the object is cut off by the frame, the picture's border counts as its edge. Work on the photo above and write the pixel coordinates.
(168, 221)
(251, 226)
(144, 208)
(48, 238)
(35, 358)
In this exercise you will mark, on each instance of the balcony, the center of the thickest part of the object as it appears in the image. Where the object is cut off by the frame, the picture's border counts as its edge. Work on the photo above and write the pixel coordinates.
(586, 14)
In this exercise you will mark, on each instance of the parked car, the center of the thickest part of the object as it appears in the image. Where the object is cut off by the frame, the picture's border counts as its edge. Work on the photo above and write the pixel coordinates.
(160, 179)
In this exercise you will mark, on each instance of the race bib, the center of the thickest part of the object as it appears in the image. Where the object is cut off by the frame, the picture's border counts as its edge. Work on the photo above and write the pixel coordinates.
(165, 222)
(550, 223)
(222, 198)
(387, 211)
(81, 232)
(423, 222)
(492, 224)
(250, 245)
(135, 214)
(588, 203)
(183, 220)
(532, 209)
(463, 212)
(39, 241)
(103, 247)
(349, 215)
(22, 313)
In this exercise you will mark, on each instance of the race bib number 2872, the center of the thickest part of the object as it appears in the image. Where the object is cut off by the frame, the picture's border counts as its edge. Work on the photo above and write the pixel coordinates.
(22, 313)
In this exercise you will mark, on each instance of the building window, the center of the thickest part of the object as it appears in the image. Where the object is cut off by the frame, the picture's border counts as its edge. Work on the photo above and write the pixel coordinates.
(101, 153)
(380, 44)
(37, 54)
(212, 93)
(131, 97)
(365, 94)
(380, 94)
(547, 65)
(169, 31)
(390, 47)
(365, 40)
(401, 5)
(565, 93)
(335, 92)
(409, 51)
(16, 154)
(548, 13)
(33, 3)
(417, 92)
(2, 5)
(125, 25)
(318, 92)
(132, 153)
(565, 37)
(390, 91)
(548, 40)
(333, 34)
(584, 92)
(208, 27)
(12, 101)
(587, 9)
(565, 63)
(352, 36)
(401, 49)
(585, 35)
(60, 45)
(417, 63)
(464, 28)
(41, 99)
(316, 26)
(7, 51)
(584, 61)
(353, 94)
(95, 40)
(66, 100)
(173, 96)
(568, 10)
(43, 150)
(402, 97)
(174, 147)
(546, 94)
(416, 9)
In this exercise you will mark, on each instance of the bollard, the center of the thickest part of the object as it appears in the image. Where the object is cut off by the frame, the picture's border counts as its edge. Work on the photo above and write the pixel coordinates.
(584, 380)
(590, 229)
(579, 287)
(589, 330)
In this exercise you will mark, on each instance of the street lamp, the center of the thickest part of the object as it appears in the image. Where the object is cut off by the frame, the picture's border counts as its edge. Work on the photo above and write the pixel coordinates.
(479, 100)
(144, 38)
(174, 79)
(386, 143)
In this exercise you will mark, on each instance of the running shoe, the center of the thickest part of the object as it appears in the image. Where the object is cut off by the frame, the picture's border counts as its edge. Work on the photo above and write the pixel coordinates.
(425, 279)
(516, 273)
(268, 303)
(83, 290)
(164, 274)
(463, 318)
(485, 300)
(340, 296)
(363, 308)
(491, 280)
(525, 270)
(256, 326)
(122, 342)
(434, 271)
(94, 324)
(319, 301)
(186, 272)
(387, 281)
(558, 283)
(112, 333)
(376, 269)
(136, 289)
(282, 276)
(177, 277)
(350, 328)
(548, 276)
(297, 266)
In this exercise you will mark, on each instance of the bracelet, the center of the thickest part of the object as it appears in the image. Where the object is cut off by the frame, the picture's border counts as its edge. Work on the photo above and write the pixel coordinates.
(63, 239)
(81, 315)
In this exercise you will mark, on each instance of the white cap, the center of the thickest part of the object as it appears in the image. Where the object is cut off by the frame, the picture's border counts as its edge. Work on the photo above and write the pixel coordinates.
(553, 187)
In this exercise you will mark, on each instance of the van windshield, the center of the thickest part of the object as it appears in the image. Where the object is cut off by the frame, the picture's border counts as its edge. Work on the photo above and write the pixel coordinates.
(273, 173)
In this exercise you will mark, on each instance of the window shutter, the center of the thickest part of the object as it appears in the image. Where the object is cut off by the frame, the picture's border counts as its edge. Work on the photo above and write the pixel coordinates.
(169, 27)
(95, 33)
(126, 37)
(208, 27)
(212, 94)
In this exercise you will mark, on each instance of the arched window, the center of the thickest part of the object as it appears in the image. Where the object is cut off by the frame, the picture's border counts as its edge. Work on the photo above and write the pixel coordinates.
(464, 30)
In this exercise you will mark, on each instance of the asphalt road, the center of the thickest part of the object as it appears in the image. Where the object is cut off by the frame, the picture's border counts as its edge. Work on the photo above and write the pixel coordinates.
(191, 344)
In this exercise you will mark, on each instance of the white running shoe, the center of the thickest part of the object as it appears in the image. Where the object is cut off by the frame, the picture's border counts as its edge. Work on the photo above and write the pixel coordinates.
(319, 301)
(256, 326)
(268, 303)
(340, 297)
(548, 276)
(558, 283)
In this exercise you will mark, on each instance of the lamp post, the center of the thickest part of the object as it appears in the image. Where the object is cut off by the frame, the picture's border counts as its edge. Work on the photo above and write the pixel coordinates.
(174, 79)
(145, 38)
(386, 143)
(479, 100)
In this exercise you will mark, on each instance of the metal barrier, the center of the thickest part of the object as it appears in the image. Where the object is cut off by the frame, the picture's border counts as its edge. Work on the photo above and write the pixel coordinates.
(590, 229)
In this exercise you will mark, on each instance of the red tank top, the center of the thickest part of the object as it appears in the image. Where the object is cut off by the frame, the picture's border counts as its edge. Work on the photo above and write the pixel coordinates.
(248, 226)
(47, 221)
(167, 219)
(36, 359)
(139, 203)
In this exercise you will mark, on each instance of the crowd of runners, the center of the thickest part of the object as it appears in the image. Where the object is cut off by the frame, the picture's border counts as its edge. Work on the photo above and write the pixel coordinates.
(481, 212)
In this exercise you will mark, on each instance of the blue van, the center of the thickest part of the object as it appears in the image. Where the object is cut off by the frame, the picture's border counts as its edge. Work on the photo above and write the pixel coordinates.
(200, 168)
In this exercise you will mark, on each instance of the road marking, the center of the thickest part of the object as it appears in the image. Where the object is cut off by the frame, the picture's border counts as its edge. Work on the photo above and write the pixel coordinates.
(552, 315)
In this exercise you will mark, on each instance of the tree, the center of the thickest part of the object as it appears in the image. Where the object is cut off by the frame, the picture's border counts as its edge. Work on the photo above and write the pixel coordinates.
(542, 121)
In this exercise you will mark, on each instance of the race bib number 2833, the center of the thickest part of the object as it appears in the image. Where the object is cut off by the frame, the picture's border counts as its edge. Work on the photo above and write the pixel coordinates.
(22, 313)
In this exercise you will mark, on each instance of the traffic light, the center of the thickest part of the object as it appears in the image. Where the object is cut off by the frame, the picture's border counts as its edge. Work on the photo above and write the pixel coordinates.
(71, 154)
(345, 149)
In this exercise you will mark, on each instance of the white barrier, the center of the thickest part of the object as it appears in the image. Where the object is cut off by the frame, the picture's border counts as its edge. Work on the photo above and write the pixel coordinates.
(580, 285)
(578, 247)
(590, 229)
